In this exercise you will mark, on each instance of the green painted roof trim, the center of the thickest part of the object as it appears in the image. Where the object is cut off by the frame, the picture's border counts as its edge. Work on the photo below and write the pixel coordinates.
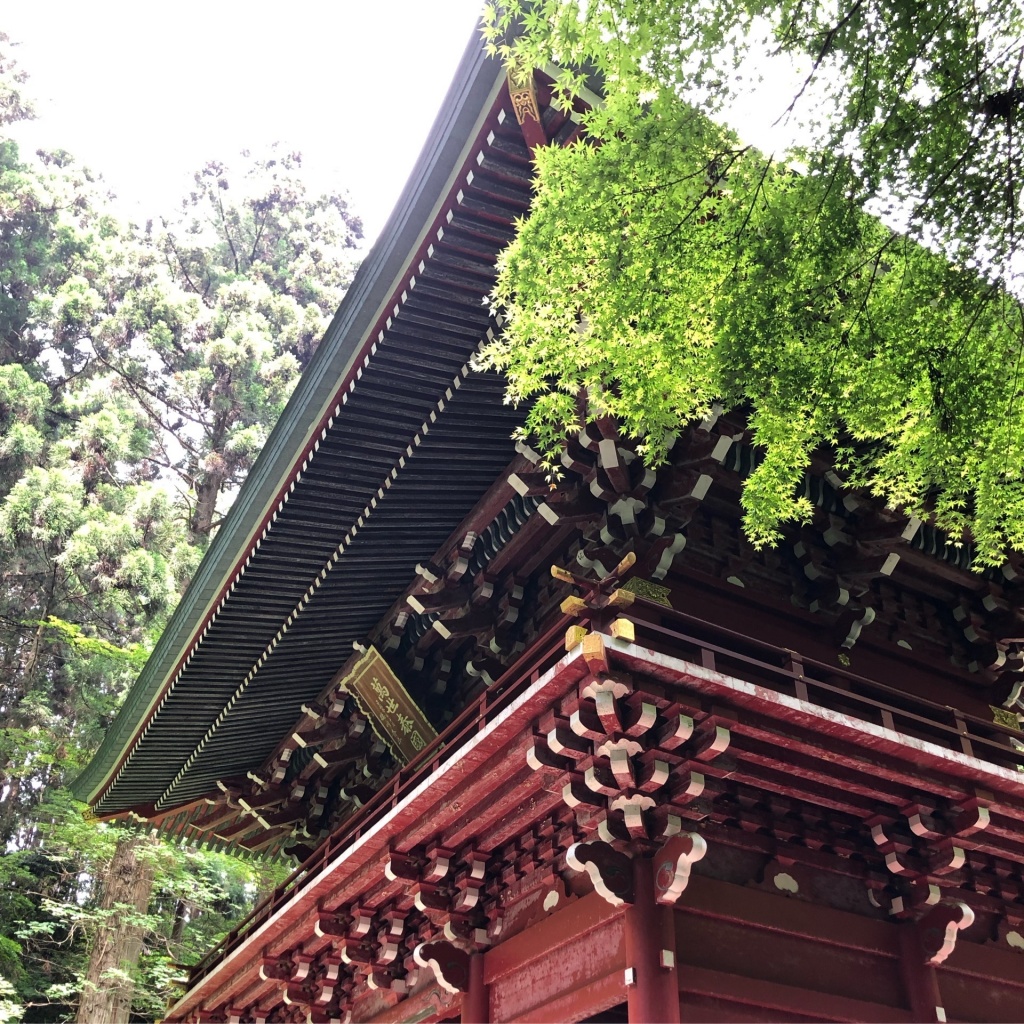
(477, 81)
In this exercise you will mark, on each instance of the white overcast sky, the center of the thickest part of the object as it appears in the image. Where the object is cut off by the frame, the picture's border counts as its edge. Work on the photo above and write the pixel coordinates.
(145, 92)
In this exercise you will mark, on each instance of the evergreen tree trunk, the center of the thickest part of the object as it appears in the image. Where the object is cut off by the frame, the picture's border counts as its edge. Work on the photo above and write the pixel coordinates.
(181, 912)
(207, 492)
(9, 816)
(127, 884)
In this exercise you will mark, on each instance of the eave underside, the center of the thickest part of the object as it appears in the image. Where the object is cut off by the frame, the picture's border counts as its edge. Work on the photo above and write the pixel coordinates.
(416, 437)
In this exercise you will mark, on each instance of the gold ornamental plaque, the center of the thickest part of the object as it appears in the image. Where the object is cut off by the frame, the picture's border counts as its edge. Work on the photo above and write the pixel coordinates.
(393, 714)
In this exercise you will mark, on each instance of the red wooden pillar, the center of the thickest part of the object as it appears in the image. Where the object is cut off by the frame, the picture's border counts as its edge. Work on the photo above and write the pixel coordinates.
(475, 1002)
(920, 979)
(652, 986)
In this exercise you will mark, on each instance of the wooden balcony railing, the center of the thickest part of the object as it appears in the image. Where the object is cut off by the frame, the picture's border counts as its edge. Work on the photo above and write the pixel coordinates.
(828, 686)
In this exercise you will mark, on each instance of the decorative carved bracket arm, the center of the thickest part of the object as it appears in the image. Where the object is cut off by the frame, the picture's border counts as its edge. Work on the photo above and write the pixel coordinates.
(450, 964)
(610, 871)
(940, 927)
(673, 863)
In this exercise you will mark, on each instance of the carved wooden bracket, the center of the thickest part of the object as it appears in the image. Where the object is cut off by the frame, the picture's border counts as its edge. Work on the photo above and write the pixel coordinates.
(276, 968)
(610, 871)
(450, 964)
(368, 943)
(940, 927)
(270, 808)
(673, 863)
(926, 844)
(907, 899)
(1010, 933)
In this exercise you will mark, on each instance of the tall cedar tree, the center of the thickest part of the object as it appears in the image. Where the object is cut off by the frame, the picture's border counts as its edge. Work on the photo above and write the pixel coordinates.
(140, 372)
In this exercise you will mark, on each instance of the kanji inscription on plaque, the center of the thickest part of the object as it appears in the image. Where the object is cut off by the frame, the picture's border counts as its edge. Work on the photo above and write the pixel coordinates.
(394, 715)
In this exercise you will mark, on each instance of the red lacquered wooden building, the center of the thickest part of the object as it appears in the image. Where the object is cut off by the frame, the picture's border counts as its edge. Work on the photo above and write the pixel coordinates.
(571, 752)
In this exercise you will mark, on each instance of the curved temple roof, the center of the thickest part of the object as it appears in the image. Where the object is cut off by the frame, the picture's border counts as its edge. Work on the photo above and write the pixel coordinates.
(385, 446)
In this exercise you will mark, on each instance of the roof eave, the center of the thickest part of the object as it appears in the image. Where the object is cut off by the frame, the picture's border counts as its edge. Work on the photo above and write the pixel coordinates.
(467, 102)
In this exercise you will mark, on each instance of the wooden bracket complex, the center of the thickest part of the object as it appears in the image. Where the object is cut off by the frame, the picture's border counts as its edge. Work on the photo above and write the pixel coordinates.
(612, 871)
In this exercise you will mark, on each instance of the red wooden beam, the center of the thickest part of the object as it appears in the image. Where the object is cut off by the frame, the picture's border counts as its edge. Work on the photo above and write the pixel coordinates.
(710, 897)
(564, 960)
(579, 1003)
(787, 999)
